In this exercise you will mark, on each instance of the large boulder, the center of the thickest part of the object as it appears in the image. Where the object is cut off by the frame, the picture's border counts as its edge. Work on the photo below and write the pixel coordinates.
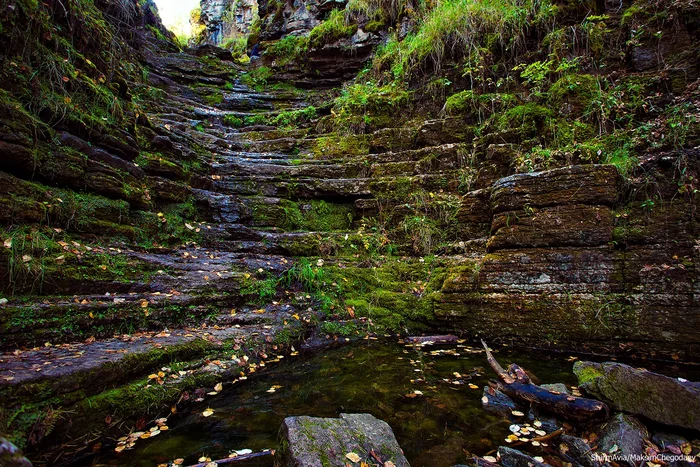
(656, 397)
(337, 442)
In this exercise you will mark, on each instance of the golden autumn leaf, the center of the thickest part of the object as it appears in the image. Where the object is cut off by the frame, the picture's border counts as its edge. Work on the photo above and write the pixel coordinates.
(218, 387)
(352, 457)
(208, 412)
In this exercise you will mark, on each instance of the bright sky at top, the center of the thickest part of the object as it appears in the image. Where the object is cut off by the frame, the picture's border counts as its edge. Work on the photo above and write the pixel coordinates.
(176, 14)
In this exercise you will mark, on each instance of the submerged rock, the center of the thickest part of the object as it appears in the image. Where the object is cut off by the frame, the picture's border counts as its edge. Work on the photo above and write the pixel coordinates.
(657, 397)
(510, 457)
(622, 439)
(495, 401)
(330, 442)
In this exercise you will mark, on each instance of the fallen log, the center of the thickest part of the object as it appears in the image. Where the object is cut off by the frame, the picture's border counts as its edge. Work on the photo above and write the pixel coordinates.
(516, 385)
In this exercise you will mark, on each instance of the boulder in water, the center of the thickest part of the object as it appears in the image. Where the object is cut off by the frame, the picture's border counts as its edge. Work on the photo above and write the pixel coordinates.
(335, 442)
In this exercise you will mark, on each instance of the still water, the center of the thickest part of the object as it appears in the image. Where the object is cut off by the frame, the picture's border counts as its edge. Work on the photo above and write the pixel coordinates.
(436, 428)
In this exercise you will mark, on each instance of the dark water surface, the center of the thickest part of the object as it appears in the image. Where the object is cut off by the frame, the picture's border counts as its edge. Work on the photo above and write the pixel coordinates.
(434, 429)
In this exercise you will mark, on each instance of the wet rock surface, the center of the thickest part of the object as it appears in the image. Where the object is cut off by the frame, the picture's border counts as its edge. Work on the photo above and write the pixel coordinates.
(622, 438)
(320, 442)
(510, 457)
(654, 396)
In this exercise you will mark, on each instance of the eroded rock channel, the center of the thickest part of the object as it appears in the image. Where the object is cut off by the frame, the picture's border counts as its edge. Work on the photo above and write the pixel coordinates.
(176, 219)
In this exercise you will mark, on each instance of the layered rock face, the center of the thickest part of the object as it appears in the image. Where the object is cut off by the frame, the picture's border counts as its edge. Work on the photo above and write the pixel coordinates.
(223, 19)
(560, 266)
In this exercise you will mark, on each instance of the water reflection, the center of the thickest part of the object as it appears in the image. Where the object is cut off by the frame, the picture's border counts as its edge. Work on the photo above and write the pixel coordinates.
(431, 397)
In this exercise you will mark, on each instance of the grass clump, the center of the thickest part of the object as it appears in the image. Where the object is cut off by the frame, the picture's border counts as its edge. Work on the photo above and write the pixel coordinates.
(470, 102)
(334, 28)
(464, 25)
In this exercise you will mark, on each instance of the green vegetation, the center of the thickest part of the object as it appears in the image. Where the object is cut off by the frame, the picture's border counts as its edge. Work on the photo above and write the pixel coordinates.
(257, 77)
(333, 28)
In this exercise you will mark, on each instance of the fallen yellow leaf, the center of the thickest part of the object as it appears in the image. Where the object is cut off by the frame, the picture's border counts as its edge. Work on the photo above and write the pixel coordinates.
(218, 387)
(208, 412)
(353, 457)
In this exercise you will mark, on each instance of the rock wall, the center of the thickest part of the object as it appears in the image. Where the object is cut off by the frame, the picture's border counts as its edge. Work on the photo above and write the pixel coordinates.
(562, 266)
(223, 19)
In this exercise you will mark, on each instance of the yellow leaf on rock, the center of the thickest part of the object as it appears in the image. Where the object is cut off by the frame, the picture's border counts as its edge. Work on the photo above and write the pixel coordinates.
(353, 457)
(208, 412)
(144, 304)
(178, 461)
(389, 464)
(218, 387)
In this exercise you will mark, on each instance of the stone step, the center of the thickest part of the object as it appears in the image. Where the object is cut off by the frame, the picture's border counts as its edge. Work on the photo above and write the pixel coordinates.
(330, 188)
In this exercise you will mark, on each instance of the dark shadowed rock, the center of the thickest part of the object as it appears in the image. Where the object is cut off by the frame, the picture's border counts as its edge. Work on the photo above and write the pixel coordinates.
(325, 442)
(11, 456)
(494, 400)
(579, 450)
(510, 457)
(622, 438)
(657, 397)
(663, 440)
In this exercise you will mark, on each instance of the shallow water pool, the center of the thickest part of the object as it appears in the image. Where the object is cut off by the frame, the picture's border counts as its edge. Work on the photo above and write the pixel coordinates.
(436, 428)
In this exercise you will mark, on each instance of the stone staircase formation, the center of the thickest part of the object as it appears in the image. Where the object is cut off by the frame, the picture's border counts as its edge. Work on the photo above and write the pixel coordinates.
(537, 246)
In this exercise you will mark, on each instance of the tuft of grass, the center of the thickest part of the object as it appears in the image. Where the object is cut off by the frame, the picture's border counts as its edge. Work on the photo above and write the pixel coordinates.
(334, 28)
(465, 25)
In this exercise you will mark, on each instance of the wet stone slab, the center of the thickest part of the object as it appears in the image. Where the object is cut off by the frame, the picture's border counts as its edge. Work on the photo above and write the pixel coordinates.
(329, 442)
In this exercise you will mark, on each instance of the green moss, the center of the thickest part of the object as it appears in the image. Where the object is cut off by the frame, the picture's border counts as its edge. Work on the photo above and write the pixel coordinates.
(341, 146)
(332, 29)
(288, 50)
(374, 26)
(528, 119)
(257, 77)
(587, 373)
(314, 216)
(295, 117)
(482, 105)
(575, 89)
(394, 296)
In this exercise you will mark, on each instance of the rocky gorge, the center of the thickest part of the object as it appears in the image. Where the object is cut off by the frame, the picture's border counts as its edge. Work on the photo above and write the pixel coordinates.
(175, 218)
